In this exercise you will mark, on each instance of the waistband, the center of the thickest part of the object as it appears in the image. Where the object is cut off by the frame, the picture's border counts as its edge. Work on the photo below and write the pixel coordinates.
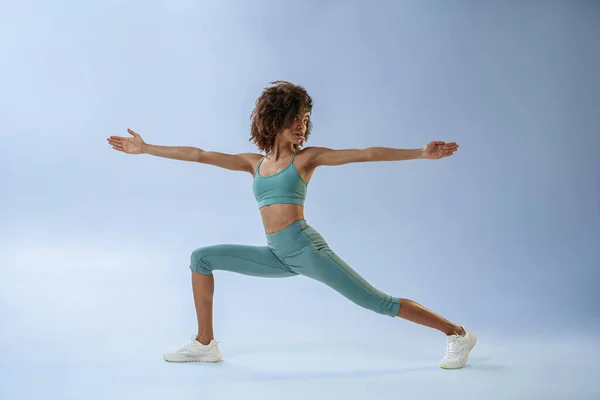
(287, 234)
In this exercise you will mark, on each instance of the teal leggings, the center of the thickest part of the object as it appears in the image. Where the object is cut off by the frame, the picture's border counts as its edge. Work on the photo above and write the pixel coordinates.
(298, 249)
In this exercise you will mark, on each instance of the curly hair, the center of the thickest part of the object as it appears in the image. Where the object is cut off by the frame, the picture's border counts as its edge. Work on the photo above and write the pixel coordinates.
(275, 110)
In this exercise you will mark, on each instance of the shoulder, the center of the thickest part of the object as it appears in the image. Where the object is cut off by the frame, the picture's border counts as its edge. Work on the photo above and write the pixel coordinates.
(309, 155)
(251, 156)
(312, 152)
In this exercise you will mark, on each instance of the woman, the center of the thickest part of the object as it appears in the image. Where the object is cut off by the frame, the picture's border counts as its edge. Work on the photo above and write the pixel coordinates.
(280, 126)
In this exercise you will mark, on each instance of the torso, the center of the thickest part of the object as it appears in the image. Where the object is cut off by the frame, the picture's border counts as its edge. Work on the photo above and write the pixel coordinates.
(275, 217)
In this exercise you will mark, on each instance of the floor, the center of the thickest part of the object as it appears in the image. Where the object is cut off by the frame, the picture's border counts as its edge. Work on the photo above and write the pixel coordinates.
(499, 368)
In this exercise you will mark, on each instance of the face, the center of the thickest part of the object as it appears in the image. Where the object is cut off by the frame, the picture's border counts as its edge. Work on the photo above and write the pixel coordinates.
(297, 131)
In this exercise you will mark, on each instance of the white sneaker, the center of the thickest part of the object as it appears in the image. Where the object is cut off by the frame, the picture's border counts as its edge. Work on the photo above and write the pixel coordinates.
(457, 352)
(195, 351)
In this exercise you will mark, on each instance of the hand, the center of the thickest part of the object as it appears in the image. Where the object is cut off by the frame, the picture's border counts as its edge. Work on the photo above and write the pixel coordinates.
(131, 145)
(438, 149)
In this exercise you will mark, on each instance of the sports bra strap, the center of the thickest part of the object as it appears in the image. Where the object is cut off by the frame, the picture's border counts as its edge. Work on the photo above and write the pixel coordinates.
(293, 155)
(263, 159)
(260, 162)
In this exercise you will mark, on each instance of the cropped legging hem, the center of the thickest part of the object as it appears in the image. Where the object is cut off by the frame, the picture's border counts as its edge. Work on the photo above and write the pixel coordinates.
(295, 250)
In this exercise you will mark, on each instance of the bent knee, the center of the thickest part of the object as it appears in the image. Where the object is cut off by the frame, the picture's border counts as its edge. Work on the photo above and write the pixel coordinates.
(199, 263)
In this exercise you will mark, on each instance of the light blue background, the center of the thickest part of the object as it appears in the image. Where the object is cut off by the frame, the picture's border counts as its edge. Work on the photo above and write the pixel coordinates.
(95, 244)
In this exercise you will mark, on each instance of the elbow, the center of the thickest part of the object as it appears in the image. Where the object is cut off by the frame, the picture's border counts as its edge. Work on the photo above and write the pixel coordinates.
(369, 154)
(197, 155)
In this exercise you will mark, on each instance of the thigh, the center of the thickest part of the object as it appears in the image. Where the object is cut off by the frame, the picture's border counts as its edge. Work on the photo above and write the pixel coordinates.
(319, 262)
(243, 259)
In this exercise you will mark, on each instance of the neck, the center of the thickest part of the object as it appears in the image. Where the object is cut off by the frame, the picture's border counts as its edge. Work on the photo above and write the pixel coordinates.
(281, 150)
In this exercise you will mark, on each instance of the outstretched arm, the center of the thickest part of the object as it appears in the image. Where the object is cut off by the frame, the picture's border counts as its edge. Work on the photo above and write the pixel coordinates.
(136, 145)
(325, 156)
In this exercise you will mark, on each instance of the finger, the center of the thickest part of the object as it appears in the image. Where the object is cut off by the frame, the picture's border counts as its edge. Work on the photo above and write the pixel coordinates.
(133, 133)
(119, 146)
(119, 142)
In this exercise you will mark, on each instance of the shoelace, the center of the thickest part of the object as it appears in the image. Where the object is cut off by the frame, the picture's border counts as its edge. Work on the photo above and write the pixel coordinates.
(452, 344)
(186, 346)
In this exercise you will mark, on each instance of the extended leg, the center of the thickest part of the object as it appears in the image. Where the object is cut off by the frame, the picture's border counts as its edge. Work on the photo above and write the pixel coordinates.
(323, 265)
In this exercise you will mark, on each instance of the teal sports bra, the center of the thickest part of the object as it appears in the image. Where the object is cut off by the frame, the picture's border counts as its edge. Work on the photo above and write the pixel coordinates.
(283, 187)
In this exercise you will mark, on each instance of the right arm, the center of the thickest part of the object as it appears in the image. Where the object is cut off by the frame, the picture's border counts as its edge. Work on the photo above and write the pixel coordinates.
(136, 145)
(234, 162)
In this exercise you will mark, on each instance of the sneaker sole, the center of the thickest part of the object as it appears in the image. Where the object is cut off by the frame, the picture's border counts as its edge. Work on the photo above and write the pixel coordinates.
(191, 360)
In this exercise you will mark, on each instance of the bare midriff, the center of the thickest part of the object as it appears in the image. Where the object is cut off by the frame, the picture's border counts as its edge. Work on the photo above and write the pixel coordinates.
(275, 217)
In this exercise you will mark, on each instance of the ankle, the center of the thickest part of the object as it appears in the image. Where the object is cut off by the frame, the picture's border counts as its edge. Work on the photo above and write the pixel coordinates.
(203, 339)
(455, 330)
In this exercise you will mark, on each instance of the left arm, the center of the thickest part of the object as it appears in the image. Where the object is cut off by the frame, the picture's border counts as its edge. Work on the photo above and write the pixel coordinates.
(325, 156)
